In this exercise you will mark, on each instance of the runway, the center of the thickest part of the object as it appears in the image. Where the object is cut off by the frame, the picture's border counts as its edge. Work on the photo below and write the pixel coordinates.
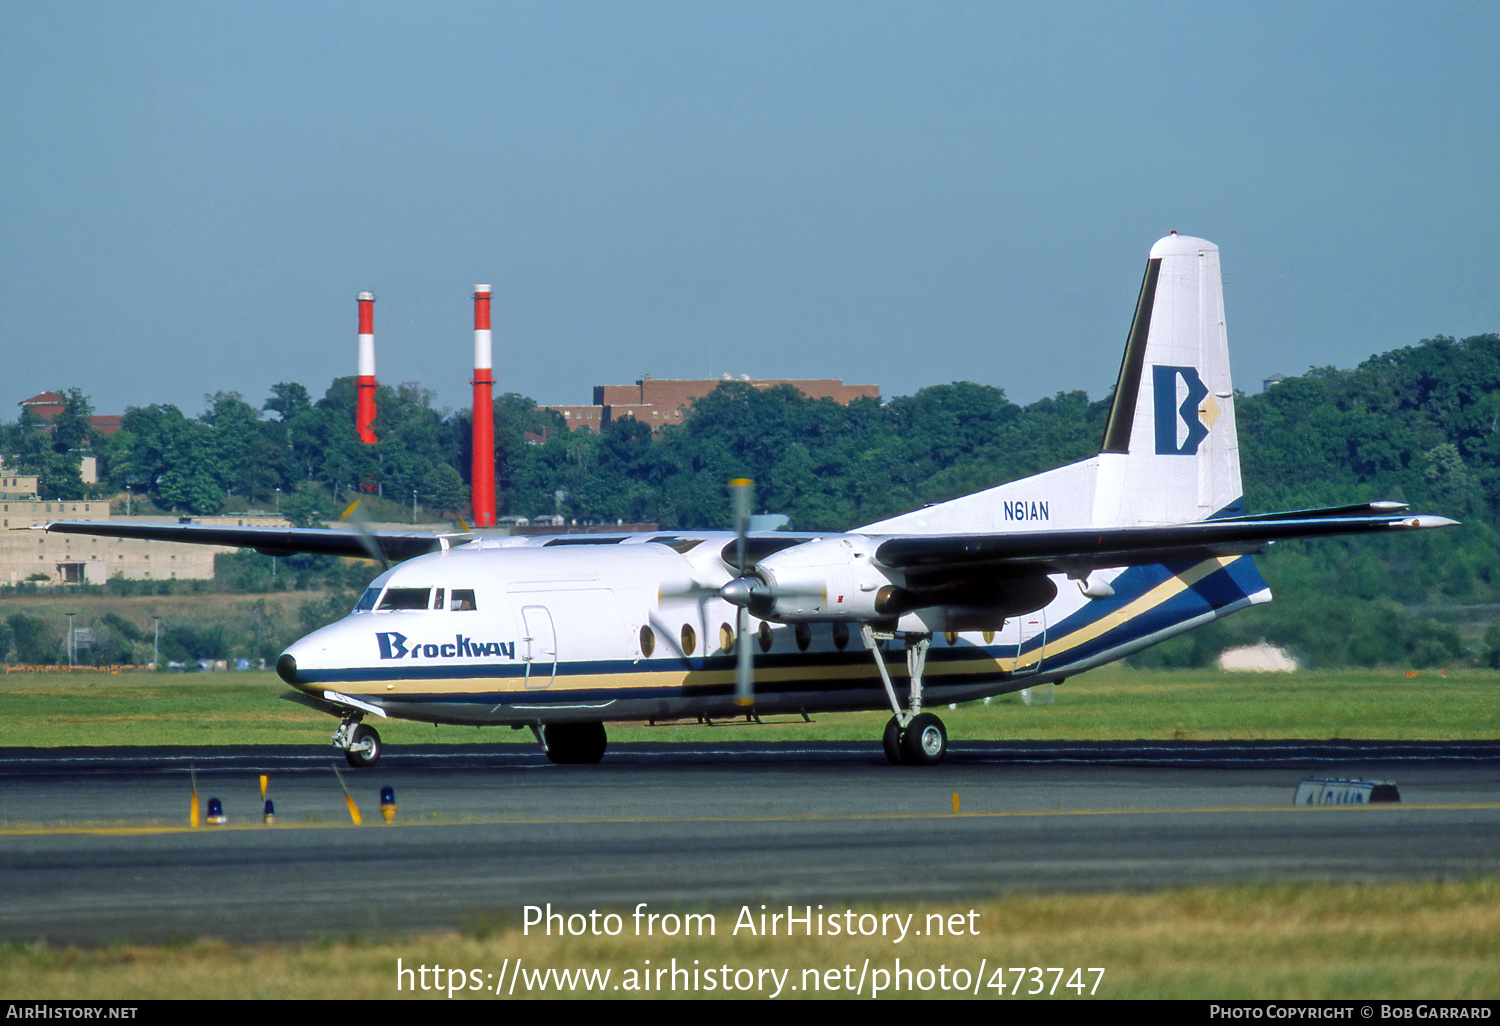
(94, 846)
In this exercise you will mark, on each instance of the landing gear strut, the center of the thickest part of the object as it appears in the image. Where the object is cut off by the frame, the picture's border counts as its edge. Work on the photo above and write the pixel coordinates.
(361, 744)
(911, 737)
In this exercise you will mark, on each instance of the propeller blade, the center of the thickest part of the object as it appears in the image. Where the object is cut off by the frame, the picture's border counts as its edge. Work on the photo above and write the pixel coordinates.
(691, 590)
(744, 668)
(671, 639)
(365, 537)
(742, 492)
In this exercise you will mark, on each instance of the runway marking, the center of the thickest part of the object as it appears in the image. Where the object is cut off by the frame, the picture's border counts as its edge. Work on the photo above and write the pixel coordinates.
(851, 817)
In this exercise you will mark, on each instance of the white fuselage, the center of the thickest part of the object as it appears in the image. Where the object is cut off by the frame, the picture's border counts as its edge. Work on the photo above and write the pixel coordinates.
(543, 630)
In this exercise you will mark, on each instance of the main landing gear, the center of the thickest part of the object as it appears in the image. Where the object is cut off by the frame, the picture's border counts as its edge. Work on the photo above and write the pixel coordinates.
(361, 744)
(912, 737)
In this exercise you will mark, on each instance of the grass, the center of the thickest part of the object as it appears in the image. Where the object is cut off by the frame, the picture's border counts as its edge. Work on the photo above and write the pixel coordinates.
(1290, 941)
(1112, 703)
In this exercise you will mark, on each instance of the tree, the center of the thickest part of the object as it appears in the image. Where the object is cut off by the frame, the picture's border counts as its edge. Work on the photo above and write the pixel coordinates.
(443, 489)
(35, 643)
(308, 506)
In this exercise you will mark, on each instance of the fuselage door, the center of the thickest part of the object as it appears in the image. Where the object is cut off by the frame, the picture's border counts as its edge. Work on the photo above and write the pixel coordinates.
(539, 646)
(1033, 640)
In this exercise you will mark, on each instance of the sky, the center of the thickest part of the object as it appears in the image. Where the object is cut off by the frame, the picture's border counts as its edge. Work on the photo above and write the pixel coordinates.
(905, 194)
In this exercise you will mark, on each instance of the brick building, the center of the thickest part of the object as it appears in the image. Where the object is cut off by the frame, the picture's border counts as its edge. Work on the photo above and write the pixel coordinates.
(658, 402)
(47, 405)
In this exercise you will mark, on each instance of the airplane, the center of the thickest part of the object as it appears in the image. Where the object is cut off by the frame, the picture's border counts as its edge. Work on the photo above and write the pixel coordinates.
(1022, 584)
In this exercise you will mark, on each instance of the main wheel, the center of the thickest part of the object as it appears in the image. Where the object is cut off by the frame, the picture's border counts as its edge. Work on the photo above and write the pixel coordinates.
(575, 743)
(891, 739)
(925, 741)
(364, 747)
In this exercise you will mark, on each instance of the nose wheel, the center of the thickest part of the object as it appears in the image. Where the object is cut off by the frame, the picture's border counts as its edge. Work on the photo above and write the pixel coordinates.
(361, 744)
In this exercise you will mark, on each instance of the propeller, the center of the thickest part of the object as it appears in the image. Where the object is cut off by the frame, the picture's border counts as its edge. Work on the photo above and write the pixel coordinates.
(740, 591)
(747, 592)
(366, 538)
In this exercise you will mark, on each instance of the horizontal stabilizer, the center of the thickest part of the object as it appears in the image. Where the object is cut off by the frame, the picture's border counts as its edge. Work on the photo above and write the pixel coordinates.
(1079, 551)
(1384, 506)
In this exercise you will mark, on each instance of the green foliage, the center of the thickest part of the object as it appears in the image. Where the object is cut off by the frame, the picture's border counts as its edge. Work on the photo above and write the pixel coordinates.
(35, 643)
(308, 506)
(321, 612)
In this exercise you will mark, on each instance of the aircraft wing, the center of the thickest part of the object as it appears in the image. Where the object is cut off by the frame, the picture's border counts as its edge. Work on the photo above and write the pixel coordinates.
(273, 541)
(1075, 552)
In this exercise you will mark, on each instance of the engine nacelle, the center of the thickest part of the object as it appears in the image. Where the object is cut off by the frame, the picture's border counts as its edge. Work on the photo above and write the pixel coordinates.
(828, 579)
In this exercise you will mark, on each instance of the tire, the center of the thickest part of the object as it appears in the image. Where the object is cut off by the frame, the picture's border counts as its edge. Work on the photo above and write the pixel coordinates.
(925, 741)
(370, 756)
(575, 744)
(891, 739)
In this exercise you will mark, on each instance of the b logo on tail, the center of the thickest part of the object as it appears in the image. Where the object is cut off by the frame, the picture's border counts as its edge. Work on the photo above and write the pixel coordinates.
(1169, 412)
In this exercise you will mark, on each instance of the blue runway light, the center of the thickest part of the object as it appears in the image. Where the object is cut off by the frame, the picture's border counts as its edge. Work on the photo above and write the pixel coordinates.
(270, 811)
(388, 803)
(216, 811)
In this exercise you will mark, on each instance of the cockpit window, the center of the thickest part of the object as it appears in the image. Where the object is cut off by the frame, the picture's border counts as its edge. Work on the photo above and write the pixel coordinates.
(437, 598)
(463, 599)
(367, 600)
(405, 598)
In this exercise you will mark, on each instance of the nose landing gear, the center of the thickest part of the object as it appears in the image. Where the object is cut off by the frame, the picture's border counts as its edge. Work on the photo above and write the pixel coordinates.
(361, 744)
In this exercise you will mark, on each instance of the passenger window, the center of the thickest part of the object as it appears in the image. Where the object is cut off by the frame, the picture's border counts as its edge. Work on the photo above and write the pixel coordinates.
(463, 599)
(405, 598)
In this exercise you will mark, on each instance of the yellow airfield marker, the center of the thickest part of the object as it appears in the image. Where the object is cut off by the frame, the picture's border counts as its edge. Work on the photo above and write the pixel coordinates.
(193, 813)
(263, 781)
(955, 801)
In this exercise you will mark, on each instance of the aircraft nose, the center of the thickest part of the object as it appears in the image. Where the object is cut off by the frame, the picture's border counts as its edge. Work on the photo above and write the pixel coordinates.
(286, 667)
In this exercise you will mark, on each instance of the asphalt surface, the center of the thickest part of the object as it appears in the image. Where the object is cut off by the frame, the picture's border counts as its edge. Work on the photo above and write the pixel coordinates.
(95, 846)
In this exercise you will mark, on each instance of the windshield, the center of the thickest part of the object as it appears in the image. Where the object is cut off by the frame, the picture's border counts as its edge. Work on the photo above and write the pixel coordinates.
(439, 599)
(405, 598)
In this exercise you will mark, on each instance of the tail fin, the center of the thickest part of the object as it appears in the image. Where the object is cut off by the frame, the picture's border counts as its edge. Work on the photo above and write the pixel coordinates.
(1170, 451)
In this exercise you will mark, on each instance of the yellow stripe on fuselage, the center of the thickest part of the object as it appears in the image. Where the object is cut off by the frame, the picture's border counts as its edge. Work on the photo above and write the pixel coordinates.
(1168, 589)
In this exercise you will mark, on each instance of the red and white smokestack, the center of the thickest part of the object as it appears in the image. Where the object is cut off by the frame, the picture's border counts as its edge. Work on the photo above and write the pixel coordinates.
(364, 412)
(483, 470)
